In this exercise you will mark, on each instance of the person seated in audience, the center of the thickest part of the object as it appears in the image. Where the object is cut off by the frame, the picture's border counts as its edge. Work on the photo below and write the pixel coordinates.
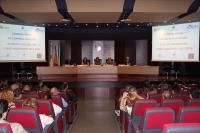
(146, 83)
(128, 100)
(151, 91)
(69, 61)
(132, 89)
(97, 61)
(126, 90)
(127, 61)
(109, 61)
(54, 91)
(32, 103)
(57, 109)
(44, 88)
(164, 86)
(34, 91)
(17, 93)
(14, 86)
(19, 84)
(4, 109)
(85, 61)
(185, 86)
(166, 94)
(41, 84)
(71, 96)
(4, 83)
(194, 93)
(176, 82)
(9, 96)
(175, 89)
(26, 88)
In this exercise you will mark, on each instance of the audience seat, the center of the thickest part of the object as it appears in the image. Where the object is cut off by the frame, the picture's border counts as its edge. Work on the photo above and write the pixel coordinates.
(153, 120)
(139, 90)
(29, 119)
(5, 128)
(193, 102)
(25, 96)
(184, 97)
(69, 91)
(181, 128)
(46, 107)
(188, 114)
(173, 103)
(157, 97)
(138, 110)
(26, 92)
(18, 102)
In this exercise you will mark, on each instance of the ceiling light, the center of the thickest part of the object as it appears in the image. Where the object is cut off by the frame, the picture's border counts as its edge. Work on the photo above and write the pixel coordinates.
(149, 23)
(172, 23)
(65, 24)
(56, 25)
(141, 22)
(48, 24)
(137, 25)
(128, 24)
(35, 25)
(158, 25)
(116, 26)
(4, 21)
(118, 22)
(65, 20)
(86, 24)
(43, 24)
(107, 24)
(97, 26)
(189, 21)
(126, 20)
(77, 26)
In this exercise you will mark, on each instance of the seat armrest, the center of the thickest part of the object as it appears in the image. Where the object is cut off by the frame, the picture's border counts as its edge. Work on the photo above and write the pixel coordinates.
(135, 127)
(47, 128)
(58, 116)
(128, 116)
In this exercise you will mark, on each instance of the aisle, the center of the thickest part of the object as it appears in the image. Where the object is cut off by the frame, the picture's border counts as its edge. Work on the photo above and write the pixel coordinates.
(95, 115)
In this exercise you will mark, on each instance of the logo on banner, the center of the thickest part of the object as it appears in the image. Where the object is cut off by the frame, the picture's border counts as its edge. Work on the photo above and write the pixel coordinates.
(192, 26)
(1, 27)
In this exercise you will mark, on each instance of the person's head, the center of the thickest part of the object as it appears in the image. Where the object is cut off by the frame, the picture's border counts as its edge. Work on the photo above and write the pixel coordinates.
(163, 81)
(30, 103)
(132, 89)
(46, 96)
(19, 84)
(128, 87)
(146, 88)
(4, 82)
(54, 91)
(40, 82)
(176, 82)
(109, 58)
(131, 98)
(175, 89)
(166, 94)
(185, 84)
(69, 58)
(64, 87)
(127, 58)
(44, 88)
(3, 109)
(17, 93)
(97, 58)
(26, 88)
(146, 82)
(194, 93)
(164, 86)
(152, 91)
(7, 95)
(34, 91)
(14, 86)
(84, 59)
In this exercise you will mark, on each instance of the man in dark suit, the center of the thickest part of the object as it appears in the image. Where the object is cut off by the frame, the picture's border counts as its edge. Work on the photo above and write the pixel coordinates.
(68, 61)
(127, 61)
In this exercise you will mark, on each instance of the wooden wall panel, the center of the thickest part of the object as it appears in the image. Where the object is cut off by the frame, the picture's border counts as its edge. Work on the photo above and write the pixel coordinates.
(130, 50)
(76, 51)
(97, 92)
(119, 52)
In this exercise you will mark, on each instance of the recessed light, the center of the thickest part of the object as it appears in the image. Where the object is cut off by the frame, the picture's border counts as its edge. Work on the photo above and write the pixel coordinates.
(149, 23)
(164, 21)
(56, 25)
(43, 24)
(189, 21)
(118, 22)
(4, 21)
(116, 26)
(77, 26)
(35, 25)
(65, 24)
(107, 24)
(172, 23)
(97, 26)
(141, 22)
(128, 24)
(86, 24)
(48, 24)
(158, 25)
(137, 25)
(74, 22)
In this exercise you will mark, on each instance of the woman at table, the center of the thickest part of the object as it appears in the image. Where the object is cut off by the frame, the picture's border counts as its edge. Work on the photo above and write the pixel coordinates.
(85, 61)
(97, 61)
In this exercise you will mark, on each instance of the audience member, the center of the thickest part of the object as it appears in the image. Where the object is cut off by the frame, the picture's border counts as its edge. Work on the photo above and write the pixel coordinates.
(26, 88)
(151, 91)
(9, 96)
(32, 103)
(175, 89)
(194, 93)
(57, 109)
(185, 86)
(44, 88)
(54, 91)
(4, 109)
(147, 83)
(19, 84)
(34, 91)
(14, 86)
(41, 84)
(176, 82)
(71, 95)
(166, 94)
(127, 61)
(164, 86)
(17, 93)
(4, 83)
(126, 90)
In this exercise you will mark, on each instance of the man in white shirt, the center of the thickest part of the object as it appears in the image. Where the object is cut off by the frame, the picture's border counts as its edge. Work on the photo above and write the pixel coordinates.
(54, 91)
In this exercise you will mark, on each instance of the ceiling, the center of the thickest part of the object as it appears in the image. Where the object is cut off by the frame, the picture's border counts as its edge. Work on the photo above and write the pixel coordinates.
(39, 12)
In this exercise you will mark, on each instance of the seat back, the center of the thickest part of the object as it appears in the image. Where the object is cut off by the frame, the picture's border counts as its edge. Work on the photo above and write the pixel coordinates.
(5, 128)
(139, 107)
(25, 96)
(181, 128)
(27, 117)
(172, 103)
(63, 95)
(154, 119)
(188, 114)
(121, 92)
(193, 102)
(57, 100)
(18, 102)
(157, 97)
(184, 97)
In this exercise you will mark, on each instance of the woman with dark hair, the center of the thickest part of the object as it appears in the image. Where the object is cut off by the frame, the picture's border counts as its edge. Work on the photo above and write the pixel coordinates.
(16, 127)
(85, 61)
(97, 61)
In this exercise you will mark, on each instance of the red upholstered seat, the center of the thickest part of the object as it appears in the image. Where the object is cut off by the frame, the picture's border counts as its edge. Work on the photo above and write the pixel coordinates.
(173, 103)
(18, 102)
(5, 128)
(157, 97)
(181, 128)
(29, 119)
(138, 110)
(188, 114)
(193, 102)
(184, 97)
(46, 107)
(25, 96)
(154, 119)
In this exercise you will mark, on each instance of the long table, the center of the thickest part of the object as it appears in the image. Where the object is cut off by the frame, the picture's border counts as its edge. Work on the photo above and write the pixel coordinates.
(60, 73)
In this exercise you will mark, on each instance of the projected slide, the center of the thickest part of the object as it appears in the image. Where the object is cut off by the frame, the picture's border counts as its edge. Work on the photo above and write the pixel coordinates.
(22, 43)
(176, 42)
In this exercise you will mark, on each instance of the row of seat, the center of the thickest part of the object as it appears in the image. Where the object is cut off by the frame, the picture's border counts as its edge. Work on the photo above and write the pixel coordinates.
(139, 107)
